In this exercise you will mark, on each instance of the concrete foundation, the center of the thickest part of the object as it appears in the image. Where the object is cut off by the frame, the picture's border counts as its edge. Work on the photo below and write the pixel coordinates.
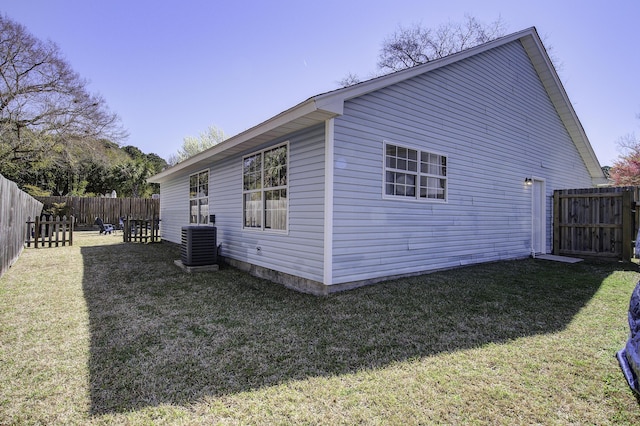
(310, 286)
(192, 269)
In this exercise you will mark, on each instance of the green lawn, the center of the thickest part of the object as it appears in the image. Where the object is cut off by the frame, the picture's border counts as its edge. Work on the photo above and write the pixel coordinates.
(111, 333)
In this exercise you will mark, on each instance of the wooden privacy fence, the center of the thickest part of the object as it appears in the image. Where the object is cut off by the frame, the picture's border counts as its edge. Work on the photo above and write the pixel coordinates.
(110, 210)
(15, 207)
(49, 231)
(595, 222)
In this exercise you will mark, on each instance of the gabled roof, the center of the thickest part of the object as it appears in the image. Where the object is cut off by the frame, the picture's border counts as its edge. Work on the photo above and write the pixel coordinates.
(319, 108)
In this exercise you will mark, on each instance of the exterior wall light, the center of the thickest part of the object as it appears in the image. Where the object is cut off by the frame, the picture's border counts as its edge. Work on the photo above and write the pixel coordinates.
(528, 181)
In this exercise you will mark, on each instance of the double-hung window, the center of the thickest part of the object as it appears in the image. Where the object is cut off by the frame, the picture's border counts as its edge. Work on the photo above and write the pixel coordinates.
(265, 189)
(415, 174)
(199, 197)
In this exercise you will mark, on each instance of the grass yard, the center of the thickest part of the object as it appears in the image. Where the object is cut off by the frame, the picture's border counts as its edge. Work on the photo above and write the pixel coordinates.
(111, 333)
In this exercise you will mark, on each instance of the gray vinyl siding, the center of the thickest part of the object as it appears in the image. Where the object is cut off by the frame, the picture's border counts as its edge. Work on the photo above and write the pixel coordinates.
(174, 208)
(492, 118)
(298, 252)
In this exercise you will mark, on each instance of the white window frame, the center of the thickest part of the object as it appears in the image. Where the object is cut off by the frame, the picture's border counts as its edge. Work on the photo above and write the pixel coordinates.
(197, 196)
(262, 190)
(418, 174)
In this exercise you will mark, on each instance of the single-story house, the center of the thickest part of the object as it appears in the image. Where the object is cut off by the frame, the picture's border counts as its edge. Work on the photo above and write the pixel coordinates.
(449, 163)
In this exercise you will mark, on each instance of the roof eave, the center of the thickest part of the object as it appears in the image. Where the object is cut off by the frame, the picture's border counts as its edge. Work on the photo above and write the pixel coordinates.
(324, 106)
(544, 67)
(305, 114)
(374, 84)
(328, 105)
(552, 84)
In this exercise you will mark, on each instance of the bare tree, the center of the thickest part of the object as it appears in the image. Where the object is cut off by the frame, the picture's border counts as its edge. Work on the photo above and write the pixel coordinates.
(416, 45)
(349, 80)
(43, 102)
(193, 145)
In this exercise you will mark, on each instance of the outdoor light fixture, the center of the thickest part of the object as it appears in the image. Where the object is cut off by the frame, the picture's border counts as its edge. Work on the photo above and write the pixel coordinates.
(528, 181)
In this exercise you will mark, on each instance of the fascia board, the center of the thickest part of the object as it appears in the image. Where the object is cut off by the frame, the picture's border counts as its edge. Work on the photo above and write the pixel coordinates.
(372, 85)
(287, 116)
(331, 102)
(558, 95)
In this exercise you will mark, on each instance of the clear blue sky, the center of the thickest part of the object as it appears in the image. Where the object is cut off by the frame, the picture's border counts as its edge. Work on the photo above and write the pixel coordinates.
(170, 69)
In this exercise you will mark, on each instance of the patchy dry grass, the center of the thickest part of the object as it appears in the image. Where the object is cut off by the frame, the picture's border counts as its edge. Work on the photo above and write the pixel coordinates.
(111, 333)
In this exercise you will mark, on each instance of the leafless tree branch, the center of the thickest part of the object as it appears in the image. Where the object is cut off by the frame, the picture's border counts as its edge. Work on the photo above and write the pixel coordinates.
(415, 45)
(41, 97)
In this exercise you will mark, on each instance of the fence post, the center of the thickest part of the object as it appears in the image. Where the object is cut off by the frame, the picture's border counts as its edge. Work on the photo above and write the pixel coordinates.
(556, 222)
(127, 230)
(28, 235)
(627, 225)
(37, 231)
(636, 215)
(156, 229)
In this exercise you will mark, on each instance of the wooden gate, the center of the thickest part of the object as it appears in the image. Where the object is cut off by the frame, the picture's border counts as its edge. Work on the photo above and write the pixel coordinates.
(595, 222)
(141, 230)
(49, 231)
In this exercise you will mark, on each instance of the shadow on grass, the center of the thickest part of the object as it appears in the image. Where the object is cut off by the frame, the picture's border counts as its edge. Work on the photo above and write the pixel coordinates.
(159, 335)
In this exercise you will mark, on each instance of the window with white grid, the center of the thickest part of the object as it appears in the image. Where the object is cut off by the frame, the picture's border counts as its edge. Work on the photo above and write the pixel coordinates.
(265, 188)
(415, 174)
